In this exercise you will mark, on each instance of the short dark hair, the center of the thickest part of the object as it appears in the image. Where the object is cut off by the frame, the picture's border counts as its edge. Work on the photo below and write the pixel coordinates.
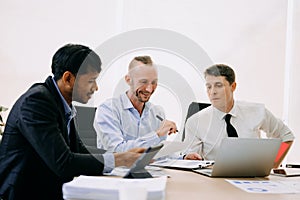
(143, 59)
(221, 70)
(75, 58)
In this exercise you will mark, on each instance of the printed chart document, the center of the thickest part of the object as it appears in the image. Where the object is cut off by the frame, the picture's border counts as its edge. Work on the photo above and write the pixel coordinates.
(268, 187)
(103, 188)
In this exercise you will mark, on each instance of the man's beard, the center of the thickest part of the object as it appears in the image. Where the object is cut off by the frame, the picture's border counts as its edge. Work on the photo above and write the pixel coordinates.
(140, 99)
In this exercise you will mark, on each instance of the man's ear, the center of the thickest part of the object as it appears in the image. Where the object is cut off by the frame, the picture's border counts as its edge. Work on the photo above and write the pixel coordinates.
(68, 79)
(127, 79)
(233, 86)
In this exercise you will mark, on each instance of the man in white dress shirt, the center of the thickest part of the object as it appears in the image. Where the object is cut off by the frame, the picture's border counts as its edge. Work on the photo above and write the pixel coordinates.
(206, 129)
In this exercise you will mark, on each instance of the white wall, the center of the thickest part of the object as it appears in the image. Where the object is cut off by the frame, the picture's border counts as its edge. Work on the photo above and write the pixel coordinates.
(292, 92)
(249, 35)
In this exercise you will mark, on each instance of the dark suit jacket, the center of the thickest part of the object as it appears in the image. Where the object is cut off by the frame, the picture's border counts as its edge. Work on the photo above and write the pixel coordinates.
(36, 156)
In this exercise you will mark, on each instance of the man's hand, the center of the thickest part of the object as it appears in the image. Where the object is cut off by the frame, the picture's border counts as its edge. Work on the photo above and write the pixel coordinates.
(193, 156)
(137, 150)
(128, 158)
(166, 127)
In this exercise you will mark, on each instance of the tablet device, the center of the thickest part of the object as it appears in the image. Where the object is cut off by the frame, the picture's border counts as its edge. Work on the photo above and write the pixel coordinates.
(137, 170)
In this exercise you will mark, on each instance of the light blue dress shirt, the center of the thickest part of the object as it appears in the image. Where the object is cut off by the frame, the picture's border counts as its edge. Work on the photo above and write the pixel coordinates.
(70, 113)
(120, 127)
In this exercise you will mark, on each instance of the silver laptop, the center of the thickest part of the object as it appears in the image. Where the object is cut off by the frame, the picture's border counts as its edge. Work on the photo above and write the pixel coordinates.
(244, 157)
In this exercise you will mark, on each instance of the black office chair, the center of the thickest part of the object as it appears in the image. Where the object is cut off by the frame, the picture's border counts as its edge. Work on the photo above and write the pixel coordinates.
(85, 120)
(194, 107)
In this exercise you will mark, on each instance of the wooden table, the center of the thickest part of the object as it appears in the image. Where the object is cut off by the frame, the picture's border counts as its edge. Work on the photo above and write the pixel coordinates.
(186, 185)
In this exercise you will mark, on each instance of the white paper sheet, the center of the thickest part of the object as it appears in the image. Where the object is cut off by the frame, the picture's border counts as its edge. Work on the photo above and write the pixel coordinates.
(170, 147)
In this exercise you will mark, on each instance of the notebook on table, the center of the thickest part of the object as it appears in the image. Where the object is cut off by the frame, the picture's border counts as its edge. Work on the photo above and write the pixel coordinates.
(243, 157)
(182, 164)
(173, 162)
(286, 172)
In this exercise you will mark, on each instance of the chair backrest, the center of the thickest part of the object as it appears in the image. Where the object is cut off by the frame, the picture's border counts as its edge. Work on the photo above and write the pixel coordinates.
(85, 120)
(194, 107)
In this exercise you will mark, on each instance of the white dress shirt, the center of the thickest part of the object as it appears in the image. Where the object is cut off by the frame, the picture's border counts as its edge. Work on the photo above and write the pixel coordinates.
(206, 129)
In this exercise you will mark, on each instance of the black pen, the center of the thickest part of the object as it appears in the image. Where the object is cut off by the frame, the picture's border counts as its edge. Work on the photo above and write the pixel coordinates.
(161, 119)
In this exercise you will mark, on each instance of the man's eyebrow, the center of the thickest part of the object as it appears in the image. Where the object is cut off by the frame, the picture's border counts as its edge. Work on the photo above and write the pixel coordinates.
(218, 82)
(143, 79)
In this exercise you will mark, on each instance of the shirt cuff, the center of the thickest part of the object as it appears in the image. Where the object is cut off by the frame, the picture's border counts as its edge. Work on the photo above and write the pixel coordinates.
(109, 162)
(152, 138)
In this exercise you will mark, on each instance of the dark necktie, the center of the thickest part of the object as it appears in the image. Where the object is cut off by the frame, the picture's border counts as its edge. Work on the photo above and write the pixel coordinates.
(230, 129)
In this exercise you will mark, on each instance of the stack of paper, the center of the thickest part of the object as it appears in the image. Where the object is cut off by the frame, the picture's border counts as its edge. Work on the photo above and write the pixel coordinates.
(95, 187)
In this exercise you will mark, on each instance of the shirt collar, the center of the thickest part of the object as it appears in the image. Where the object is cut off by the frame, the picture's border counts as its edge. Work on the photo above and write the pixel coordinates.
(221, 115)
(126, 102)
(70, 111)
(128, 105)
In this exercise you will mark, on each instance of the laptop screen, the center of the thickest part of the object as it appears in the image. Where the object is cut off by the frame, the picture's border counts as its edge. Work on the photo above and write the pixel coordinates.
(245, 157)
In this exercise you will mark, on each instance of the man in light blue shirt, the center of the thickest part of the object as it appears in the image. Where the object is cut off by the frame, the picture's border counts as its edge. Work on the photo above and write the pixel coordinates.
(131, 120)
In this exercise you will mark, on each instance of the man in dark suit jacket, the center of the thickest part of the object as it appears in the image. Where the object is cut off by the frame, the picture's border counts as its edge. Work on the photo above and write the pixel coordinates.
(40, 149)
